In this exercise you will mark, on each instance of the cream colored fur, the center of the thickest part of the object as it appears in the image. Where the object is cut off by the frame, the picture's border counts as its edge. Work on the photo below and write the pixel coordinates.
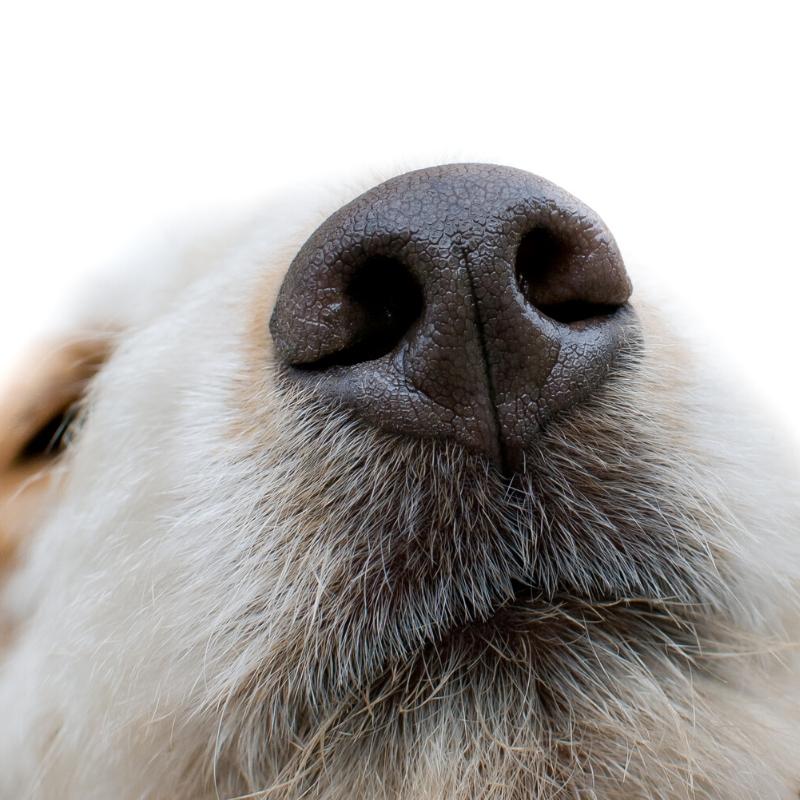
(242, 593)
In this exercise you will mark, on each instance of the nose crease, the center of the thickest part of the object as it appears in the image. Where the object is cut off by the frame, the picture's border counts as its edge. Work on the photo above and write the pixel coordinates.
(496, 433)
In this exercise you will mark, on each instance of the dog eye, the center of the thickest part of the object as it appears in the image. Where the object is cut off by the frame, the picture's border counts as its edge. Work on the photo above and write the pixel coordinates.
(49, 439)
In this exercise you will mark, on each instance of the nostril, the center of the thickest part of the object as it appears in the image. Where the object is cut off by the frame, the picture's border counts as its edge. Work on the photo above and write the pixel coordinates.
(383, 300)
(546, 270)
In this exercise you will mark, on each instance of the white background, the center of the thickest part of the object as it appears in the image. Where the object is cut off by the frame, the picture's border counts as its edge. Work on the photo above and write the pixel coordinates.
(678, 122)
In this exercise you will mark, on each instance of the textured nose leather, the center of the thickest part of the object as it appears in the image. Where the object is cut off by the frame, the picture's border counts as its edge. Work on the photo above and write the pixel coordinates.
(466, 301)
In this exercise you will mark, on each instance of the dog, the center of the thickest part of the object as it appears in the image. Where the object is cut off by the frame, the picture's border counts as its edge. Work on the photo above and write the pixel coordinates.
(401, 497)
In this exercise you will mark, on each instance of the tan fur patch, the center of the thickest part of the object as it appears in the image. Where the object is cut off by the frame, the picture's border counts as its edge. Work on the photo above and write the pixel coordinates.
(52, 379)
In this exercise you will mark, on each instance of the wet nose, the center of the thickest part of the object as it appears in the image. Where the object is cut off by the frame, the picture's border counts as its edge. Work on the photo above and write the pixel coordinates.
(469, 302)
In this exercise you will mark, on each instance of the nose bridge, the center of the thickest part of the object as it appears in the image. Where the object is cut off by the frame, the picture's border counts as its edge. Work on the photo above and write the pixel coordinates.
(458, 237)
(469, 302)
(447, 357)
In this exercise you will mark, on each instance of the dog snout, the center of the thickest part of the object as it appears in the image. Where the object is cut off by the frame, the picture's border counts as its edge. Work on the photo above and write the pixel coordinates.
(468, 302)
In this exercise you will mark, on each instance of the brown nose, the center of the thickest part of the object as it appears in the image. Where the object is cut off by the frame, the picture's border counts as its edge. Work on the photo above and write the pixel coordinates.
(470, 302)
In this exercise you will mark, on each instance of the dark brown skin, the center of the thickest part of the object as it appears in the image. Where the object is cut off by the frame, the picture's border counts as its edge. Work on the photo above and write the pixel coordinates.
(468, 301)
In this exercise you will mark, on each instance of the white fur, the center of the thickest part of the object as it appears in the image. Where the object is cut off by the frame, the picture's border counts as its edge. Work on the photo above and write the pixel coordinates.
(176, 615)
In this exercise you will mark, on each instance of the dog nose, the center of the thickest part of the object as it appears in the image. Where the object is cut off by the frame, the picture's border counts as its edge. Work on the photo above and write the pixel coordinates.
(469, 302)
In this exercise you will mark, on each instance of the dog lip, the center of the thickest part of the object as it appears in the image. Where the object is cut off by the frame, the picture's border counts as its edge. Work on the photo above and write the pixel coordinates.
(523, 594)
